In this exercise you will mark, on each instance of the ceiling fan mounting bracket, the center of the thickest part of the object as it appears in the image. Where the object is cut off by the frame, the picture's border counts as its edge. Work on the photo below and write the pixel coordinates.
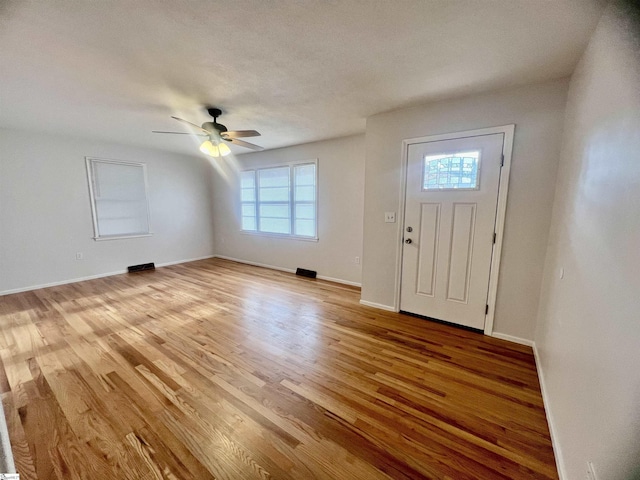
(214, 112)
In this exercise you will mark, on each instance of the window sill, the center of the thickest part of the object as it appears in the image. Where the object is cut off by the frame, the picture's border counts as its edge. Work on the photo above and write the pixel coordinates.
(122, 237)
(278, 235)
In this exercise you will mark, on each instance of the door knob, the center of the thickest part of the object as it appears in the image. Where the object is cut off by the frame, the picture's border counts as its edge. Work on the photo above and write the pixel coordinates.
(408, 241)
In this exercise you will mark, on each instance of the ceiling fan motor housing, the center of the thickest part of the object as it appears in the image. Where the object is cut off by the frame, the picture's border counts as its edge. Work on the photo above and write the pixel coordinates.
(213, 126)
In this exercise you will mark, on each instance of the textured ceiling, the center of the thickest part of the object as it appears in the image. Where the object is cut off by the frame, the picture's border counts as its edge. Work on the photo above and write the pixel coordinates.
(297, 71)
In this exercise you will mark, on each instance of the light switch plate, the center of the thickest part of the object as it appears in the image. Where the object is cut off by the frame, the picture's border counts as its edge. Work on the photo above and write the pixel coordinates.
(390, 217)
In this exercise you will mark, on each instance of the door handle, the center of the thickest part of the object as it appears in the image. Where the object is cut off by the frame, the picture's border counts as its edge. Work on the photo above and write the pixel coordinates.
(408, 241)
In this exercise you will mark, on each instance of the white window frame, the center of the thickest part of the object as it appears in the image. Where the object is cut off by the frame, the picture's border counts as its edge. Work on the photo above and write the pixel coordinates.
(291, 166)
(90, 162)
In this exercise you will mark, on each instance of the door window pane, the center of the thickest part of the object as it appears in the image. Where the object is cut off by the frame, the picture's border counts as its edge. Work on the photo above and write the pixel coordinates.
(451, 171)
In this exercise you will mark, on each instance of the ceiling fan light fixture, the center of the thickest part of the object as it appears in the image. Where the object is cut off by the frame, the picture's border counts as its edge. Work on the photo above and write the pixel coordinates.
(214, 150)
(207, 148)
(223, 149)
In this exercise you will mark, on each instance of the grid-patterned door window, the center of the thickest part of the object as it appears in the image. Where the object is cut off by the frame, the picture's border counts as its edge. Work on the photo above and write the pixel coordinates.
(458, 171)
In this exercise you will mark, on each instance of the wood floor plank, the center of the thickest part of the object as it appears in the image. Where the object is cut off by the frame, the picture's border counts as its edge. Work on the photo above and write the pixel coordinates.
(214, 369)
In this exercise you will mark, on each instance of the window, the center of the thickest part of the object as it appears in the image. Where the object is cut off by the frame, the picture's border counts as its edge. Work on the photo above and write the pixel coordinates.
(119, 203)
(451, 171)
(280, 200)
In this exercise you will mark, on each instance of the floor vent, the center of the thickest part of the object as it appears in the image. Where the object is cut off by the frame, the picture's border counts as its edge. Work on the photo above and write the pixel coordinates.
(306, 273)
(142, 267)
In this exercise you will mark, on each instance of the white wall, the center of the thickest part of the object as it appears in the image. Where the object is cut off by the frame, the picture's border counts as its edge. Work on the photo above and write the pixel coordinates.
(340, 207)
(538, 113)
(45, 213)
(588, 336)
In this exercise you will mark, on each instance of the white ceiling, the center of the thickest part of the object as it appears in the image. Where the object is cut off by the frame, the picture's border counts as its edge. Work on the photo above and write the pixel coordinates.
(295, 70)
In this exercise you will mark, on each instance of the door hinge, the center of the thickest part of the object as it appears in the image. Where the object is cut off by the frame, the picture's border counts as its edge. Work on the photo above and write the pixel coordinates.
(486, 310)
(502, 160)
(494, 237)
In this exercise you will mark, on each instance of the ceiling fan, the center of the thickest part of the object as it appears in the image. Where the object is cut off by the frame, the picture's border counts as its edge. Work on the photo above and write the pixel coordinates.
(215, 133)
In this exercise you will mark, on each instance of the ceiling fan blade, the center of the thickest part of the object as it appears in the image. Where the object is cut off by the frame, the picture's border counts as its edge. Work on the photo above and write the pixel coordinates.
(182, 133)
(198, 127)
(241, 133)
(244, 144)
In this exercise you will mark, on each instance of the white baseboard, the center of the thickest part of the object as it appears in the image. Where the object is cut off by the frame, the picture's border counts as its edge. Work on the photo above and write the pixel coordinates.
(339, 280)
(511, 338)
(378, 306)
(92, 277)
(557, 451)
(177, 262)
(288, 270)
(255, 264)
(62, 282)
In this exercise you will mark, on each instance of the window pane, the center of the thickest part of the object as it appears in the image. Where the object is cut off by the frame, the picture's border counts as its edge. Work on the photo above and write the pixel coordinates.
(275, 225)
(248, 195)
(274, 194)
(248, 223)
(306, 228)
(456, 171)
(305, 194)
(305, 175)
(274, 177)
(274, 211)
(248, 179)
(248, 209)
(306, 211)
(118, 181)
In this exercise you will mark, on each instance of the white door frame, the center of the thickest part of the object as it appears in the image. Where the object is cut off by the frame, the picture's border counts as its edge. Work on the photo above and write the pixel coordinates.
(503, 188)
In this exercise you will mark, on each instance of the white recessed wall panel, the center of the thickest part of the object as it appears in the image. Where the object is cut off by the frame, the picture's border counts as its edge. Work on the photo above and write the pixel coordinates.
(428, 248)
(462, 231)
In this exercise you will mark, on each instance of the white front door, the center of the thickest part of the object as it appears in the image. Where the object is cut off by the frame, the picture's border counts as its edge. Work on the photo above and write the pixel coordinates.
(449, 222)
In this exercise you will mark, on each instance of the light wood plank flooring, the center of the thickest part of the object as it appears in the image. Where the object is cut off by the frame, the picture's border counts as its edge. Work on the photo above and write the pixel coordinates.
(214, 369)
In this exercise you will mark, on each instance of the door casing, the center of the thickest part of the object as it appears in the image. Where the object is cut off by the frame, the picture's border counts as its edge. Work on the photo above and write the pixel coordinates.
(503, 188)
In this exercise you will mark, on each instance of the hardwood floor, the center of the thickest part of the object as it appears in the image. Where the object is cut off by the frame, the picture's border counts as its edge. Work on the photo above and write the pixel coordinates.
(214, 369)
